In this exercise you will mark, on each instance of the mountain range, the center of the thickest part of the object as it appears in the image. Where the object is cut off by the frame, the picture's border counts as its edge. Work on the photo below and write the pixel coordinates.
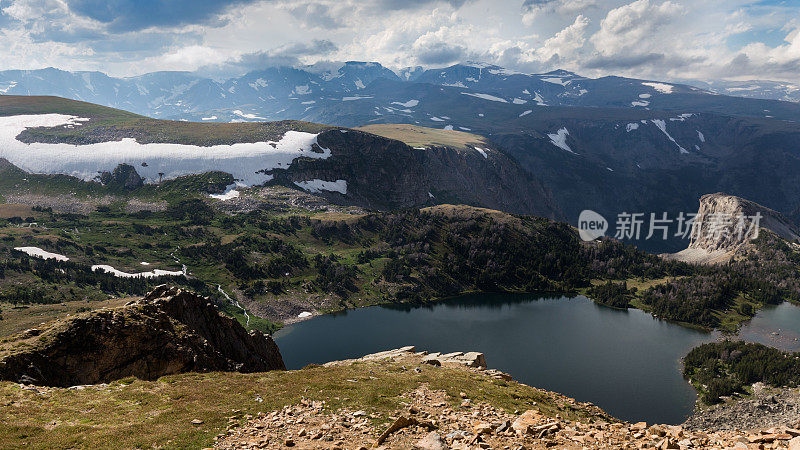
(609, 144)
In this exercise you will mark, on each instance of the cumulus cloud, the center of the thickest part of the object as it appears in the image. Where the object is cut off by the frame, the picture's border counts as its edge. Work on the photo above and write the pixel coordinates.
(655, 39)
(760, 59)
(531, 9)
(566, 42)
(633, 26)
(315, 14)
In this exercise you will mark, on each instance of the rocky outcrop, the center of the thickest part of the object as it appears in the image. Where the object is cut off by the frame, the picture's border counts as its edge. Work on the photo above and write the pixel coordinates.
(124, 177)
(168, 331)
(725, 225)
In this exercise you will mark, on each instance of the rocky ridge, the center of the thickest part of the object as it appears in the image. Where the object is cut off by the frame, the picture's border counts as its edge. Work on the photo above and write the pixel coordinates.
(168, 331)
(432, 419)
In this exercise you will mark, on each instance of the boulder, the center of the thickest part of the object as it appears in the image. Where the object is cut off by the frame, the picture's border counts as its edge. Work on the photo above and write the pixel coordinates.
(526, 422)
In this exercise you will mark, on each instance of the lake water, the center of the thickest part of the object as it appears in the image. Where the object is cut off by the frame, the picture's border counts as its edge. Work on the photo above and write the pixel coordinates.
(776, 326)
(624, 361)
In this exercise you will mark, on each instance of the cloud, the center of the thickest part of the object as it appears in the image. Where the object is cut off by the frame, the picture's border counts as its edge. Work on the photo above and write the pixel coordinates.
(654, 39)
(286, 55)
(414, 4)
(439, 53)
(759, 59)
(623, 62)
(316, 14)
(633, 27)
(130, 15)
(531, 9)
(566, 42)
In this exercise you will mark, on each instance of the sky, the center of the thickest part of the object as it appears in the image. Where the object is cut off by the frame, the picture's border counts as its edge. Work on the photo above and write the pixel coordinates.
(654, 39)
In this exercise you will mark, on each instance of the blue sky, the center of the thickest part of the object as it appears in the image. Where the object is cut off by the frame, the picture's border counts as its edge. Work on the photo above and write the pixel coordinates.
(659, 39)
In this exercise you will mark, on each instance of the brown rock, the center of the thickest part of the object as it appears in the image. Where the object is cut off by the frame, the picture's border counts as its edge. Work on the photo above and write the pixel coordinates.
(526, 421)
(431, 442)
(794, 444)
(482, 428)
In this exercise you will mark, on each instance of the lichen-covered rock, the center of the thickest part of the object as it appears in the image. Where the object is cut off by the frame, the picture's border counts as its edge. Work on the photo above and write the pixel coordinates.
(168, 331)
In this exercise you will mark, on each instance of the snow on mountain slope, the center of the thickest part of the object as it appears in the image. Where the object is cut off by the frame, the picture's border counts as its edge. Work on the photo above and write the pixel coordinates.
(245, 161)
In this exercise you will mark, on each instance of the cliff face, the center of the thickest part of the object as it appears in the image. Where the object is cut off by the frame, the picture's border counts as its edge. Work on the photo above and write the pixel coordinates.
(385, 173)
(168, 331)
(725, 225)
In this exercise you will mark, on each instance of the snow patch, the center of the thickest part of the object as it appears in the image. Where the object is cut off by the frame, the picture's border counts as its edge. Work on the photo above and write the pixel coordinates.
(645, 95)
(559, 139)
(317, 185)
(555, 80)
(663, 127)
(526, 112)
(486, 97)
(640, 103)
(408, 104)
(209, 118)
(631, 127)
(230, 193)
(661, 87)
(482, 152)
(247, 115)
(519, 101)
(304, 314)
(241, 160)
(151, 274)
(448, 127)
(39, 253)
(701, 136)
(350, 99)
(8, 87)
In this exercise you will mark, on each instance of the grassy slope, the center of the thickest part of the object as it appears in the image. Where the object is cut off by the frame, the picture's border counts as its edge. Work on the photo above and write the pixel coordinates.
(23, 317)
(416, 136)
(145, 414)
(109, 124)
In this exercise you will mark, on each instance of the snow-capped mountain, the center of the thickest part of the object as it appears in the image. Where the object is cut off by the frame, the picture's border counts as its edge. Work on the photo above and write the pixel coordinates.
(608, 144)
(315, 92)
(771, 90)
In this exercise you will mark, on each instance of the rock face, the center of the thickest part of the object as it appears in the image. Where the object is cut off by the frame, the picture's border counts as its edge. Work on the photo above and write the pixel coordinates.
(384, 173)
(168, 331)
(719, 233)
